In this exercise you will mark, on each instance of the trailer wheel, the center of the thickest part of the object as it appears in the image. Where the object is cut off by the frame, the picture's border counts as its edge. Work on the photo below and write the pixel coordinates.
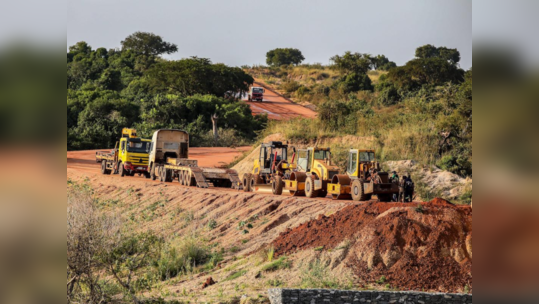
(191, 181)
(277, 186)
(358, 191)
(247, 182)
(310, 192)
(121, 169)
(168, 175)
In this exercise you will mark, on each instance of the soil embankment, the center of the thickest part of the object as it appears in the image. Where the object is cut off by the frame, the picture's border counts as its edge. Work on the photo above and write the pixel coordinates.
(426, 246)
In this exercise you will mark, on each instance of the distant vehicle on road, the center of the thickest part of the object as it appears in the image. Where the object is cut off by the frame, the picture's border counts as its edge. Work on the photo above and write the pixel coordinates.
(256, 94)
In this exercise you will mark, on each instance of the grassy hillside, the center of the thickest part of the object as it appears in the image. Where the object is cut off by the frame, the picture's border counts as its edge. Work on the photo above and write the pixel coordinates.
(399, 122)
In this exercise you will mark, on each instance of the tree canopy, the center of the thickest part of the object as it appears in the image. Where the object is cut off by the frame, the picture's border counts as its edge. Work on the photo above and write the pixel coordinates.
(148, 44)
(198, 76)
(430, 51)
(286, 56)
(108, 90)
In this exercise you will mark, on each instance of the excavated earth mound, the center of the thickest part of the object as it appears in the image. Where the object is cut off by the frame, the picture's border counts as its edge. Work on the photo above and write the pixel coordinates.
(424, 246)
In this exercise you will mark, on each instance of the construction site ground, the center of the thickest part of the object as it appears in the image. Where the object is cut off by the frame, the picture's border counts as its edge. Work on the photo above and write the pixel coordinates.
(365, 245)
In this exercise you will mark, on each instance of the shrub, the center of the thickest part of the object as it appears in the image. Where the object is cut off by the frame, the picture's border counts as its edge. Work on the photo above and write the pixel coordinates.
(290, 86)
(315, 275)
(177, 259)
(389, 96)
(281, 263)
(455, 164)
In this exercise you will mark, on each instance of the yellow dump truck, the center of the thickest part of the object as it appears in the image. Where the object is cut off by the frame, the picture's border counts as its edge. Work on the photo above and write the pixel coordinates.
(129, 156)
(313, 172)
(363, 179)
(169, 161)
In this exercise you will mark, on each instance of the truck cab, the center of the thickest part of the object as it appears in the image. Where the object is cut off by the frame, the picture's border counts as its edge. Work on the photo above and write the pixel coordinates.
(256, 94)
(132, 154)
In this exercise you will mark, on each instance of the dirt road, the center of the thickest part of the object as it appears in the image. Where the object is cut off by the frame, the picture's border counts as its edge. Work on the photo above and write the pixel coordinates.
(207, 157)
(82, 163)
(279, 108)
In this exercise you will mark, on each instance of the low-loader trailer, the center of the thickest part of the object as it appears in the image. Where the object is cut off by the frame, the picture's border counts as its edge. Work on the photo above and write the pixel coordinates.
(169, 161)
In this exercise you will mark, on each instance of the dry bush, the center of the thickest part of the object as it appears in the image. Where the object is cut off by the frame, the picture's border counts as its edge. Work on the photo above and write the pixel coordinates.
(89, 232)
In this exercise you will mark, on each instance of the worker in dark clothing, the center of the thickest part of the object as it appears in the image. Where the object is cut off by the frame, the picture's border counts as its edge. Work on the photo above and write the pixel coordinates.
(395, 180)
(402, 183)
(408, 189)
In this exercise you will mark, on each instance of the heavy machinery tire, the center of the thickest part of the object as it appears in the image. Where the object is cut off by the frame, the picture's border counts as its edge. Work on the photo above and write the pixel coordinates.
(358, 193)
(152, 172)
(310, 192)
(147, 175)
(253, 182)
(121, 170)
(322, 193)
(183, 176)
(277, 186)
(247, 182)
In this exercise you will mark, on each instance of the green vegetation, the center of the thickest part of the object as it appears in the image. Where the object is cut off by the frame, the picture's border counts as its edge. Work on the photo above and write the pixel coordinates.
(316, 275)
(108, 90)
(281, 263)
(287, 56)
(181, 258)
(420, 111)
(235, 275)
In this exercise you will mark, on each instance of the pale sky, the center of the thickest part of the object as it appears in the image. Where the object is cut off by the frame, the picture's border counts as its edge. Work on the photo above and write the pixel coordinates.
(238, 32)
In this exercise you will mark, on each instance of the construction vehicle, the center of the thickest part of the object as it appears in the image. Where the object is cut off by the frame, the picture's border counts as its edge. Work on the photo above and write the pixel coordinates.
(363, 179)
(312, 174)
(129, 156)
(269, 169)
(169, 161)
(256, 93)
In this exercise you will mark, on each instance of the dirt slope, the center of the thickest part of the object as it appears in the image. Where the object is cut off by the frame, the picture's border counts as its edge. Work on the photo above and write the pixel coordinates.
(390, 238)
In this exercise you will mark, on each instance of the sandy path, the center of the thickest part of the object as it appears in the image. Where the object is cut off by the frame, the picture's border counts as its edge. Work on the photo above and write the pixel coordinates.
(279, 108)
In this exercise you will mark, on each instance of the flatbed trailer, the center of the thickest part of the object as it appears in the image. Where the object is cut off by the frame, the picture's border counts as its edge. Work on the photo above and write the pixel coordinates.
(166, 166)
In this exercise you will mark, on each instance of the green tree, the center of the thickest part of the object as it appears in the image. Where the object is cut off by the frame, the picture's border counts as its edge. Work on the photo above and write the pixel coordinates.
(430, 51)
(286, 56)
(352, 63)
(381, 63)
(197, 76)
(148, 44)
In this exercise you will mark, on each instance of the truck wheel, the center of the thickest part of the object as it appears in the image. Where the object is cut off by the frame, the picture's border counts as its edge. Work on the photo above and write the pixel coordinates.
(310, 192)
(152, 172)
(121, 170)
(358, 191)
(277, 185)
(104, 169)
(322, 193)
(247, 182)
(168, 175)
(160, 173)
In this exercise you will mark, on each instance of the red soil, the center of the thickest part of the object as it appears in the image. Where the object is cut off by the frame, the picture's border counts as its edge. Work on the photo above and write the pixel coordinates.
(414, 248)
